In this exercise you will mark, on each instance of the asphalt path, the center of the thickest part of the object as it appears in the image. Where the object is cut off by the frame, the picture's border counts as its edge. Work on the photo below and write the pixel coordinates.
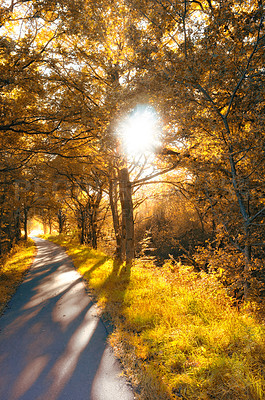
(52, 341)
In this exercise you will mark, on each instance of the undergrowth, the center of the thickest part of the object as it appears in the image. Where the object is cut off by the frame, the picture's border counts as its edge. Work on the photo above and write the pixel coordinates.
(13, 268)
(176, 331)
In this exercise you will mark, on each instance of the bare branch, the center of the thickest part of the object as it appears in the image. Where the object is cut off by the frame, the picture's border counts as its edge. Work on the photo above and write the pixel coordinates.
(246, 68)
(256, 215)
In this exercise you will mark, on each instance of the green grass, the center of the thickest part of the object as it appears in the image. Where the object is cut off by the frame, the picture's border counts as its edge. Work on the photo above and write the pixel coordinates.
(175, 331)
(13, 268)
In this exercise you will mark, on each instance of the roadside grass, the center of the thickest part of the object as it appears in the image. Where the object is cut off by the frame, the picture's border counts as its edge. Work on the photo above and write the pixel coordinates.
(175, 331)
(13, 268)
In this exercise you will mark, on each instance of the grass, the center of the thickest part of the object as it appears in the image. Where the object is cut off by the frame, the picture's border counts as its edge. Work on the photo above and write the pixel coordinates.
(13, 268)
(175, 331)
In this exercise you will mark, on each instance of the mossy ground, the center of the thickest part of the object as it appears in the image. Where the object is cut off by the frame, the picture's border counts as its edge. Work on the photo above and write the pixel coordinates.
(176, 332)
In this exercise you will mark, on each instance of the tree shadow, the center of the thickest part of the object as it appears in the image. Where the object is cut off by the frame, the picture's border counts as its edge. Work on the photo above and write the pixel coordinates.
(88, 273)
(116, 282)
(114, 288)
(52, 341)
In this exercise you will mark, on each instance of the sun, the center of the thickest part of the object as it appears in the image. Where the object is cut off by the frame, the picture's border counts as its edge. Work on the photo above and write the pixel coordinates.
(140, 132)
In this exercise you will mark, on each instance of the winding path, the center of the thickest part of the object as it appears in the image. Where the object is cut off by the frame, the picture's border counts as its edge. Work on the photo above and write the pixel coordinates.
(52, 342)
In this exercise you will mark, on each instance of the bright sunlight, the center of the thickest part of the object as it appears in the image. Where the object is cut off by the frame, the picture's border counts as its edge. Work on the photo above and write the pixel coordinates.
(140, 131)
(35, 227)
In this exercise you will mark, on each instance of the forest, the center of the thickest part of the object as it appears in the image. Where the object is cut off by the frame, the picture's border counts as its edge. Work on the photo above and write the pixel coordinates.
(139, 127)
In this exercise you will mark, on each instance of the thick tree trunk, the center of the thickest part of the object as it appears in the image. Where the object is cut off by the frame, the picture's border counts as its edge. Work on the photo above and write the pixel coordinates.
(127, 214)
(113, 196)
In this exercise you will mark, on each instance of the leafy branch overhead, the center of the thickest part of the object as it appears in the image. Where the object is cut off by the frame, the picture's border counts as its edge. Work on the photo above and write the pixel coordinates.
(70, 74)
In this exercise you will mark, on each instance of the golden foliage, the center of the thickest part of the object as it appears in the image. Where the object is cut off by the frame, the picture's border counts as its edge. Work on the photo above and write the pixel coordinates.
(13, 269)
(176, 331)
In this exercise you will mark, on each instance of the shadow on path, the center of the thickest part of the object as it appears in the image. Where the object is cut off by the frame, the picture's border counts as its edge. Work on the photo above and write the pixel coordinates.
(52, 342)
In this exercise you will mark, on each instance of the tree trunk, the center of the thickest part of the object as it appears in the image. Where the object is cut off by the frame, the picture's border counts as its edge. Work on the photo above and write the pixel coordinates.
(247, 254)
(26, 223)
(94, 219)
(44, 228)
(94, 236)
(17, 225)
(115, 217)
(50, 223)
(83, 222)
(1, 232)
(127, 214)
(61, 220)
(244, 214)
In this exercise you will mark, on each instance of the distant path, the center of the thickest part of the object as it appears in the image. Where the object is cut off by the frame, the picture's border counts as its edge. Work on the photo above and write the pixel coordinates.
(52, 343)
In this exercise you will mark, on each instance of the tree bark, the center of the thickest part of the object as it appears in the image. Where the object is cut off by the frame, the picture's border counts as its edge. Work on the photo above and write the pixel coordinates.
(127, 214)
(61, 220)
(17, 225)
(113, 197)
(94, 236)
(247, 253)
(94, 219)
(26, 223)
(50, 226)
(245, 216)
(82, 223)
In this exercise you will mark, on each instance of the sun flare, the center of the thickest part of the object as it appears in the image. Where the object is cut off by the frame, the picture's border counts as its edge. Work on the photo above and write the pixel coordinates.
(140, 132)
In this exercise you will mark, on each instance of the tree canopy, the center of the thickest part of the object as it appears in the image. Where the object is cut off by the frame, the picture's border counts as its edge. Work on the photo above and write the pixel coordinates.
(71, 71)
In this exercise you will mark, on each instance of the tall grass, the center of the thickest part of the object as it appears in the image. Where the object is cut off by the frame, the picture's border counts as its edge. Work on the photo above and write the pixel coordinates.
(13, 268)
(176, 331)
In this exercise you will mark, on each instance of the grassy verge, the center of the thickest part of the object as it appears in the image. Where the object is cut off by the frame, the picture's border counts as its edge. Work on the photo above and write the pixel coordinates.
(176, 332)
(13, 269)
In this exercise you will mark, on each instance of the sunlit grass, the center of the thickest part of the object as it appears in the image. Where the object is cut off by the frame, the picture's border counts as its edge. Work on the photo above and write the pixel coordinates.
(176, 332)
(13, 268)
